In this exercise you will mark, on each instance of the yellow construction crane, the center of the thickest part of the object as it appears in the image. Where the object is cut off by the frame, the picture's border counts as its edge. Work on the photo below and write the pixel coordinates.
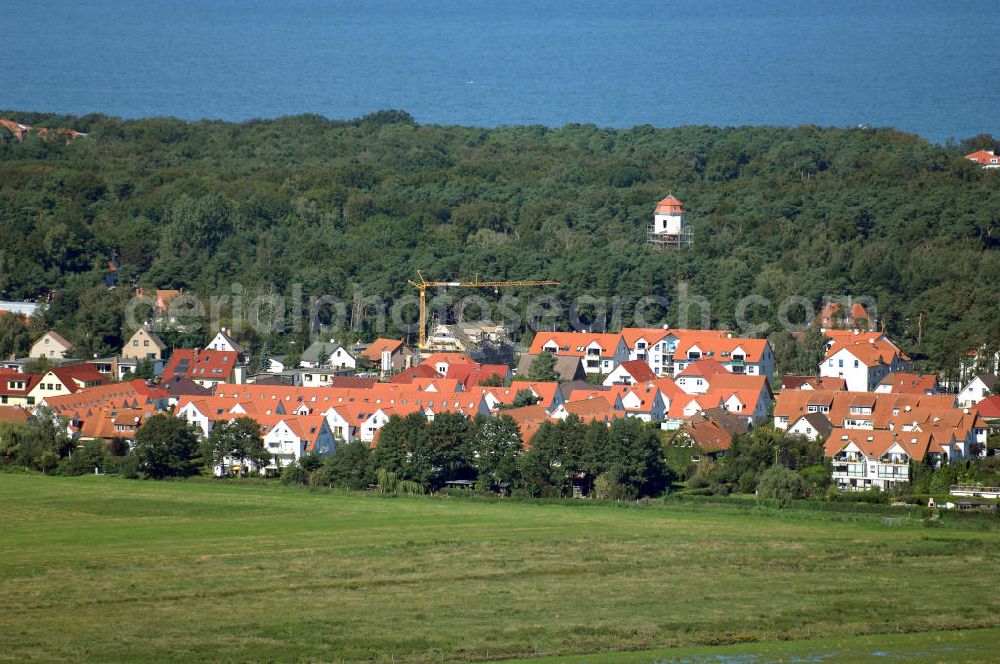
(423, 285)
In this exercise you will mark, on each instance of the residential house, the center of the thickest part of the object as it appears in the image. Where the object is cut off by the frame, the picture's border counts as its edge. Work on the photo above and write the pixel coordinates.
(15, 388)
(207, 368)
(65, 380)
(863, 364)
(144, 344)
(815, 426)
(441, 362)
(835, 315)
(50, 345)
(987, 159)
(789, 382)
(631, 372)
(600, 353)
(864, 460)
(738, 355)
(567, 368)
(160, 298)
(327, 355)
(989, 410)
(590, 410)
(390, 355)
(659, 346)
(119, 368)
(407, 376)
(224, 341)
(289, 438)
(902, 382)
(643, 401)
(697, 376)
(977, 389)
(473, 375)
(712, 430)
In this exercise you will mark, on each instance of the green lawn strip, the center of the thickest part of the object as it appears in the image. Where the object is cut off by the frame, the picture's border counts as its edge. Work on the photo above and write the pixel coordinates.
(142, 571)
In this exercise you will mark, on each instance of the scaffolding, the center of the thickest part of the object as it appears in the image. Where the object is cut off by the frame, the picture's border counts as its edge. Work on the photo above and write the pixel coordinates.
(668, 240)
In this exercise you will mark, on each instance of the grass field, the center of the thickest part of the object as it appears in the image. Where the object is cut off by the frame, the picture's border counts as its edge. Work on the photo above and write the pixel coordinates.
(102, 569)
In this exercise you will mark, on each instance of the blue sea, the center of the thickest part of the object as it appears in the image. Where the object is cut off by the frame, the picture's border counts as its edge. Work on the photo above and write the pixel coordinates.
(929, 67)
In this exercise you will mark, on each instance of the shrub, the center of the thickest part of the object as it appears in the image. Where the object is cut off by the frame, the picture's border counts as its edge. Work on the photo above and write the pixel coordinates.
(607, 487)
(294, 473)
(780, 484)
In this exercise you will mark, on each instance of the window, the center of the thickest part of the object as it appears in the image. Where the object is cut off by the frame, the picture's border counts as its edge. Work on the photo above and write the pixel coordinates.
(856, 364)
(840, 363)
(145, 342)
(135, 343)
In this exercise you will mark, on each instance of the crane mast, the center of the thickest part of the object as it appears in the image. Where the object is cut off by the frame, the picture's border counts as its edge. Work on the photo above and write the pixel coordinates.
(423, 285)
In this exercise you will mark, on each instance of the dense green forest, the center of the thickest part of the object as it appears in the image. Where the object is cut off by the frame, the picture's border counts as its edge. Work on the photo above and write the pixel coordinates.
(337, 205)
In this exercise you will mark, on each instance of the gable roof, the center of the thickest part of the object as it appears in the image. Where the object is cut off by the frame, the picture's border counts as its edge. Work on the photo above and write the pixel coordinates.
(70, 374)
(178, 386)
(153, 337)
(714, 429)
(58, 338)
(13, 414)
(574, 344)
(982, 156)
(197, 364)
(703, 368)
(567, 368)
(319, 348)
(652, 335)
(819, 423)
(870, 353)
(910, 383)
(720, 347)
(639, 370)
(420, 371)
(815, 382)
(989, 407)
(447, 358)
(7, 377)
(988, 379)
(875, 443)
(528, 419)
(375, 349)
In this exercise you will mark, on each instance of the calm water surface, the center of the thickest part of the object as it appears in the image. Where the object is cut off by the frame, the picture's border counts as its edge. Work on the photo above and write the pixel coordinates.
(925, 66)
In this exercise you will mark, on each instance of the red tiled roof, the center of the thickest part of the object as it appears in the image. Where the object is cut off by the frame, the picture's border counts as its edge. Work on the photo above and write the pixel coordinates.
(639, 371)
(574, 344)
(420, 371)
(709, 367)
(215, 365)
(375, 349)
(982, 156)
(910, 383)
(6, 377)
(989, 407)
(11, 414)
(669, 205)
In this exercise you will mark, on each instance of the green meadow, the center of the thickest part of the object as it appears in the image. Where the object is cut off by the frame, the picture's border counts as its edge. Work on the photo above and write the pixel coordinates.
(103, 569)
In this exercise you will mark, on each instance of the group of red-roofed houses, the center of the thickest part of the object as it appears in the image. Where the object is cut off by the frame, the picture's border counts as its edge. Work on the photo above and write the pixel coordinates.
(666, 351)
(872, 436)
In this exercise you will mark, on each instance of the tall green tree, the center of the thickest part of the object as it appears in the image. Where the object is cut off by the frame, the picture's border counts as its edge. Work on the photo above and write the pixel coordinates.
(497, 449)
(166, 446)
(237, 441)
(543, 368)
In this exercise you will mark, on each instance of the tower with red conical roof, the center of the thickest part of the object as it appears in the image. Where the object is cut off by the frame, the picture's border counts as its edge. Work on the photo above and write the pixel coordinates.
(668, 228)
